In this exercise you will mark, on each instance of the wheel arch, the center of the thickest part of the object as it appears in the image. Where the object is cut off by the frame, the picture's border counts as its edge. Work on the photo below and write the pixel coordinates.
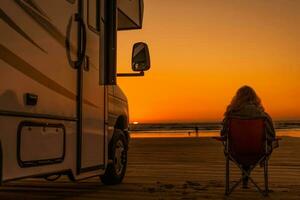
(122, 124)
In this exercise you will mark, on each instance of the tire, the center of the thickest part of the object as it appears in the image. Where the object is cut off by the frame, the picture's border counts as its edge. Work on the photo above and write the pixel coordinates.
(117, 152)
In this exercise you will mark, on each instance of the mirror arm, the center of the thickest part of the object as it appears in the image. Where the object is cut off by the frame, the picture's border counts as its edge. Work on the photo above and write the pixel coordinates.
(130, 74)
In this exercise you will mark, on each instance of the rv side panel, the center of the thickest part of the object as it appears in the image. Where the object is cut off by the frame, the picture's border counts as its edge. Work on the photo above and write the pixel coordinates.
(37, 87)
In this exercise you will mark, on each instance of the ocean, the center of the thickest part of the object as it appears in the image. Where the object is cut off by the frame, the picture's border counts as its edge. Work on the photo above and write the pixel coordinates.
(201, 133)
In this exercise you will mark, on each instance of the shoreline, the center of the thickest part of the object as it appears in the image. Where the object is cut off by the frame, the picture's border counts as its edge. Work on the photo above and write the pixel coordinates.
(210, 126)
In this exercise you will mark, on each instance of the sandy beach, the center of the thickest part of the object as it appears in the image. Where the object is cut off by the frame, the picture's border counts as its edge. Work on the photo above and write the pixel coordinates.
(172, 168)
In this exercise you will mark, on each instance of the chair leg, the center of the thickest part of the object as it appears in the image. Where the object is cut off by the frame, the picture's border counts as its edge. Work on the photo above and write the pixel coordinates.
(257, 187)
(227, 176)
(266, 177)
(245, 177)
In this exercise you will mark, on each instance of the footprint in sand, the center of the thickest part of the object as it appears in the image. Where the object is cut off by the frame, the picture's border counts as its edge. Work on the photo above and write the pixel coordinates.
(151, 190)
(168, 186)
(160, 187)
(194, 185)
(214, 183)
(165, 186)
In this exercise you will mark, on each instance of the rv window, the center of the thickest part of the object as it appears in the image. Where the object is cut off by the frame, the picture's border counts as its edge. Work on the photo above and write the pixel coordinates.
(94, 15)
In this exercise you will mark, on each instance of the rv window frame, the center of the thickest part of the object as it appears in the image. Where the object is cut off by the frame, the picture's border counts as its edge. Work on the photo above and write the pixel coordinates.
(98, 17)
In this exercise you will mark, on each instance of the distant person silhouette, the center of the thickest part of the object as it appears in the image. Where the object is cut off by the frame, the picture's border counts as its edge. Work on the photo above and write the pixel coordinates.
(197, 131)
(246, 104)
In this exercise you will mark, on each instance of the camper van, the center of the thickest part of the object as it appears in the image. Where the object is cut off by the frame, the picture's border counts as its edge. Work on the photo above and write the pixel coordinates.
(61, 110)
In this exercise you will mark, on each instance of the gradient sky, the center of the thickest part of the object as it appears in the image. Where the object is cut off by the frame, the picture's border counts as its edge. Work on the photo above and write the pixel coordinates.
(202, 51)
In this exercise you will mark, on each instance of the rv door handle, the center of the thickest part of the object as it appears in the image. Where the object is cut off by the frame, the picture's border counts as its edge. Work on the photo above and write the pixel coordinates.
(81, 56)
(86, 65)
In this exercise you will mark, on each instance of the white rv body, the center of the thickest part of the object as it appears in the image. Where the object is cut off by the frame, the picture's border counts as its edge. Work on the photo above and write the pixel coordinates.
(57, 116)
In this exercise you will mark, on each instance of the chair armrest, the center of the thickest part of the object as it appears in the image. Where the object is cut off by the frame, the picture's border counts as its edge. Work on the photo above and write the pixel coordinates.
(275, 142)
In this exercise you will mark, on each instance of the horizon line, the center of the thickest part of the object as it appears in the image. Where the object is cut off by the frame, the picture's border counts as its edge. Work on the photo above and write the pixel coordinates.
(216, 121)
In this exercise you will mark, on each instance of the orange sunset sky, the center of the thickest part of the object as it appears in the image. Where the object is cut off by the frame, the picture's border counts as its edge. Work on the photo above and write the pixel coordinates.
(202, 51)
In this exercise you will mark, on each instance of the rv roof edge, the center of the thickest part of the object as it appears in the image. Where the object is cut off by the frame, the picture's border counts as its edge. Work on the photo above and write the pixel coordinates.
(130, 14)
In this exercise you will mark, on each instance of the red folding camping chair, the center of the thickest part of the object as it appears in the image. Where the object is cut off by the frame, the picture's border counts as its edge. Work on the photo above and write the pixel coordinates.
(246, 145)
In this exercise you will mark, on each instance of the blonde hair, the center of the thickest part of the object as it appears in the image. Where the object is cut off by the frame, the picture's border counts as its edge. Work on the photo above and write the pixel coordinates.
(244, 95)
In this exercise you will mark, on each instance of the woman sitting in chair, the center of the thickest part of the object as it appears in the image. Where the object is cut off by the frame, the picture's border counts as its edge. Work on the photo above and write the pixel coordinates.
(246, 104)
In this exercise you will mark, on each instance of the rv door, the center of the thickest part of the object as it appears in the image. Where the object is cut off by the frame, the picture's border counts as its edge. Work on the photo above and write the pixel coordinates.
(91, 138)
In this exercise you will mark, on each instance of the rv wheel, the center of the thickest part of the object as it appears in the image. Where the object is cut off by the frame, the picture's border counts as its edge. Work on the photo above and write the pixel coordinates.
(117, 153)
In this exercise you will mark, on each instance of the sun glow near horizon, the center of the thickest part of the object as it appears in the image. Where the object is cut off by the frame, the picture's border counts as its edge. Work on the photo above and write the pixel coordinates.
(203, 51)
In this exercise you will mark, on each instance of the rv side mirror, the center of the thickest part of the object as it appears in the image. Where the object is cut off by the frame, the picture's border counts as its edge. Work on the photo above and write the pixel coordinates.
(140, 57)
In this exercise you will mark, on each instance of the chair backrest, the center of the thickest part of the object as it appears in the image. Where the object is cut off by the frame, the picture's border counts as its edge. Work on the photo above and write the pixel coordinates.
(246, 139)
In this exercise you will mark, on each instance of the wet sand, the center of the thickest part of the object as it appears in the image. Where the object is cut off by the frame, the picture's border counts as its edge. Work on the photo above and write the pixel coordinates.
(173, 168)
